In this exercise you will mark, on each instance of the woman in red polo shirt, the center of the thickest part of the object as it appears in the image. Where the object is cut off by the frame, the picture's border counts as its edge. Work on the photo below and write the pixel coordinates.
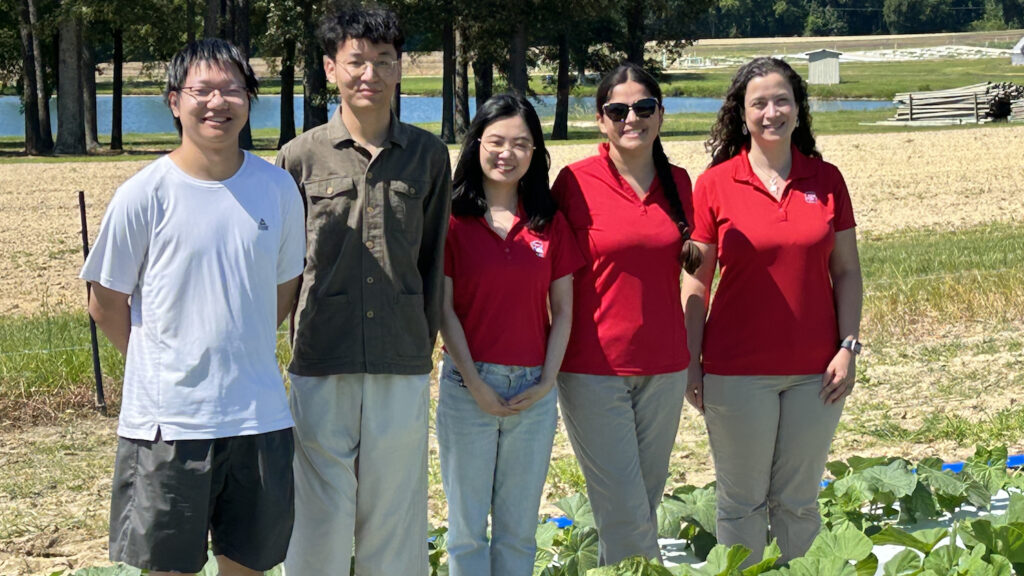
(622, 383)
(780, 343)
(508, 254)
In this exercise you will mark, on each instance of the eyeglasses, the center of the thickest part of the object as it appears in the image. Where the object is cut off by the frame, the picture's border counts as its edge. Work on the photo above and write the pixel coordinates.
(517, 147)
(383, 68)
(643, 108)
(203, 94)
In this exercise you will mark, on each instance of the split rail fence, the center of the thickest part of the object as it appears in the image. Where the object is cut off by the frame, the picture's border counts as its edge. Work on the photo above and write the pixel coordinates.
(978, 103)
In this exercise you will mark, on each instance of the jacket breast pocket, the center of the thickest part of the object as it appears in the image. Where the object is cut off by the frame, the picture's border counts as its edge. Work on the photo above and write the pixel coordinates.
(406, 200)
(329, 197)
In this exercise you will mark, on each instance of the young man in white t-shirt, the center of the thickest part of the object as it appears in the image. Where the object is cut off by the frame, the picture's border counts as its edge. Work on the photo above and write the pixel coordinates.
(196, 264)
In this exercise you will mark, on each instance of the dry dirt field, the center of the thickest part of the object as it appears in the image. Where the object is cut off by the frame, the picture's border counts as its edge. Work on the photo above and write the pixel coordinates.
(937, 180)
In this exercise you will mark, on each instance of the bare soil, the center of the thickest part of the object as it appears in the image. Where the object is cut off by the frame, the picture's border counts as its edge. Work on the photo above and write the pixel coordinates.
(55, 478)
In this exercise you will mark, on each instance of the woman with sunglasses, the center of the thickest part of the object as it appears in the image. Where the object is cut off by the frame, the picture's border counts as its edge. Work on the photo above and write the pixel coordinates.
(622, 382)
(780, 343)
(508, 255)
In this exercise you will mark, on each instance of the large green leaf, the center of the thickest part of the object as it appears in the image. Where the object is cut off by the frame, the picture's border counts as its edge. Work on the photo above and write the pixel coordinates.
(1015, 510)
(904, 563)
(818, 567)
(894, 478)
(923, 540)
(725, 561)
(920, 505)
(699, 507)
(771, 555)
(545, 536)
(579, 552)
(867, 566)
(633, 566)
(988, 466)
(670, 517)
(577, 508)
(846, 543)
(859, 463)
(1006, 540)
(943, 559)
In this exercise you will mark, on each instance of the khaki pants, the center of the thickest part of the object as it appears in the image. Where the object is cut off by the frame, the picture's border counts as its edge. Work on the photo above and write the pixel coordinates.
(770, 437)
(360, 474)
(622, 429)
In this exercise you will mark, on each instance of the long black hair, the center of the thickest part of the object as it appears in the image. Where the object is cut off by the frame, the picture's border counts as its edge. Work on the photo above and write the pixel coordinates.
(625, 72)
(534, 190)
(727, 135)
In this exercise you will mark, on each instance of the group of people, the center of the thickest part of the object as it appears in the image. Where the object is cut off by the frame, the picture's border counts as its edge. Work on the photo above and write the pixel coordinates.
(365, 240)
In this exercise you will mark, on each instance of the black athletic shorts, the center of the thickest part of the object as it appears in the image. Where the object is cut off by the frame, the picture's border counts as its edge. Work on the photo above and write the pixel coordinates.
(170, 496)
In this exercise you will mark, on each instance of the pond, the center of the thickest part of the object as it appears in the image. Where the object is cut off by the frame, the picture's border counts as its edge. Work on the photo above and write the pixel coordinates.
(148, 114)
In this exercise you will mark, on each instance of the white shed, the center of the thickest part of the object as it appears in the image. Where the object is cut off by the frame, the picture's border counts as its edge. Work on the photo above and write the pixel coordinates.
(824, 67)
(1017, 58)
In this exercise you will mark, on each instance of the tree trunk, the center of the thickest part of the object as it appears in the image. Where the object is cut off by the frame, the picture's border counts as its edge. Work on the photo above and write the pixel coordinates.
(560, 131)
(461, 85)
(70, 116)
(88, 62)
(29, 93)
(239, 24)
(518, 77)
(314, 80)
(213, 19)
(635, 32)
(483, 77)
(43, 95)
(115, 99)
(448, 83)
(287, 131)
(190, 20)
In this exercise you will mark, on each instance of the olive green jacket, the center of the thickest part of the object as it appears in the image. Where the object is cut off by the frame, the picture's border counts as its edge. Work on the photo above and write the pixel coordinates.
(370, 300)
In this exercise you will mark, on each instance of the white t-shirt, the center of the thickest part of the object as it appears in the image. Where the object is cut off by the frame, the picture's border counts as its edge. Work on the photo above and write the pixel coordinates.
(202, 261)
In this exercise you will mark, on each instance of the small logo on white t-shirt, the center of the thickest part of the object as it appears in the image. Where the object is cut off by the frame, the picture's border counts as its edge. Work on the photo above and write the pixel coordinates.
(263, 225)
(810, 197)
(538, 248)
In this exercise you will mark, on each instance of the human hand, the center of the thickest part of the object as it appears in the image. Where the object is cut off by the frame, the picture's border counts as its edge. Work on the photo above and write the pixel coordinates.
(487, 399)
(839, 377)
(695, 388)
(530, 396)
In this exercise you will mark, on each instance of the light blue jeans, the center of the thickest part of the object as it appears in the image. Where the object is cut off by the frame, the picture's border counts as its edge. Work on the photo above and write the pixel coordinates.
(493, 464)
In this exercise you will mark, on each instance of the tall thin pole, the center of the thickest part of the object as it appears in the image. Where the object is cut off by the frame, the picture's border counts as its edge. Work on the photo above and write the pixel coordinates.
(101, 404)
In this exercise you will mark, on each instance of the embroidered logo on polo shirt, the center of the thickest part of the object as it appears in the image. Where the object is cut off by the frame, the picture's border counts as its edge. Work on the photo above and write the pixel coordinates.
(538, 248)
(810, 197)
(263, 225)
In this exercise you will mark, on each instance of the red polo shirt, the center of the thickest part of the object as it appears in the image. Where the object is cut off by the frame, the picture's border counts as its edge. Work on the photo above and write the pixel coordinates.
(501, 286)
(774, 311)
(627, 318)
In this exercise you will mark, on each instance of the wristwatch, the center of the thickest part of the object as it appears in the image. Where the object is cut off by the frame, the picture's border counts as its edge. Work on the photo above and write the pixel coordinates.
(851, 344)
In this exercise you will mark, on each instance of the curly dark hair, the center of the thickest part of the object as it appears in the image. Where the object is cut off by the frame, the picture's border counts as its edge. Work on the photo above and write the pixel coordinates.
(625, 72)
(534, 190)
(727, 136)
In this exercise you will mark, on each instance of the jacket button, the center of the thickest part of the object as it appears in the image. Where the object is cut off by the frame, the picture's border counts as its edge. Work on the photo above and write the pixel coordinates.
(369, 244)
(369, 176)
(330, 190)
(369, 314)
(369, 279)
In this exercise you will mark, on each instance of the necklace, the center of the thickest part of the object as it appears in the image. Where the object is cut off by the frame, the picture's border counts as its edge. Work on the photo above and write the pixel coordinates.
(773, 185)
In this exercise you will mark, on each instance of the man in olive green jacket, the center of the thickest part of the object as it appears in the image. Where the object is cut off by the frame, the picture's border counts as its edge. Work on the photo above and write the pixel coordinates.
(377, 197)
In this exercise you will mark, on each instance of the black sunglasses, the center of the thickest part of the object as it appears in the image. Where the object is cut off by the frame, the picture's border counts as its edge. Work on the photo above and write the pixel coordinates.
(643, 108)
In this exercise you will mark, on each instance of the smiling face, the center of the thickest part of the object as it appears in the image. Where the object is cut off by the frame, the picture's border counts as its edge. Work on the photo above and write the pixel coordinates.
(506, 150)
(372, 87)
(633, 134)
(770, 110)
(218, 120)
